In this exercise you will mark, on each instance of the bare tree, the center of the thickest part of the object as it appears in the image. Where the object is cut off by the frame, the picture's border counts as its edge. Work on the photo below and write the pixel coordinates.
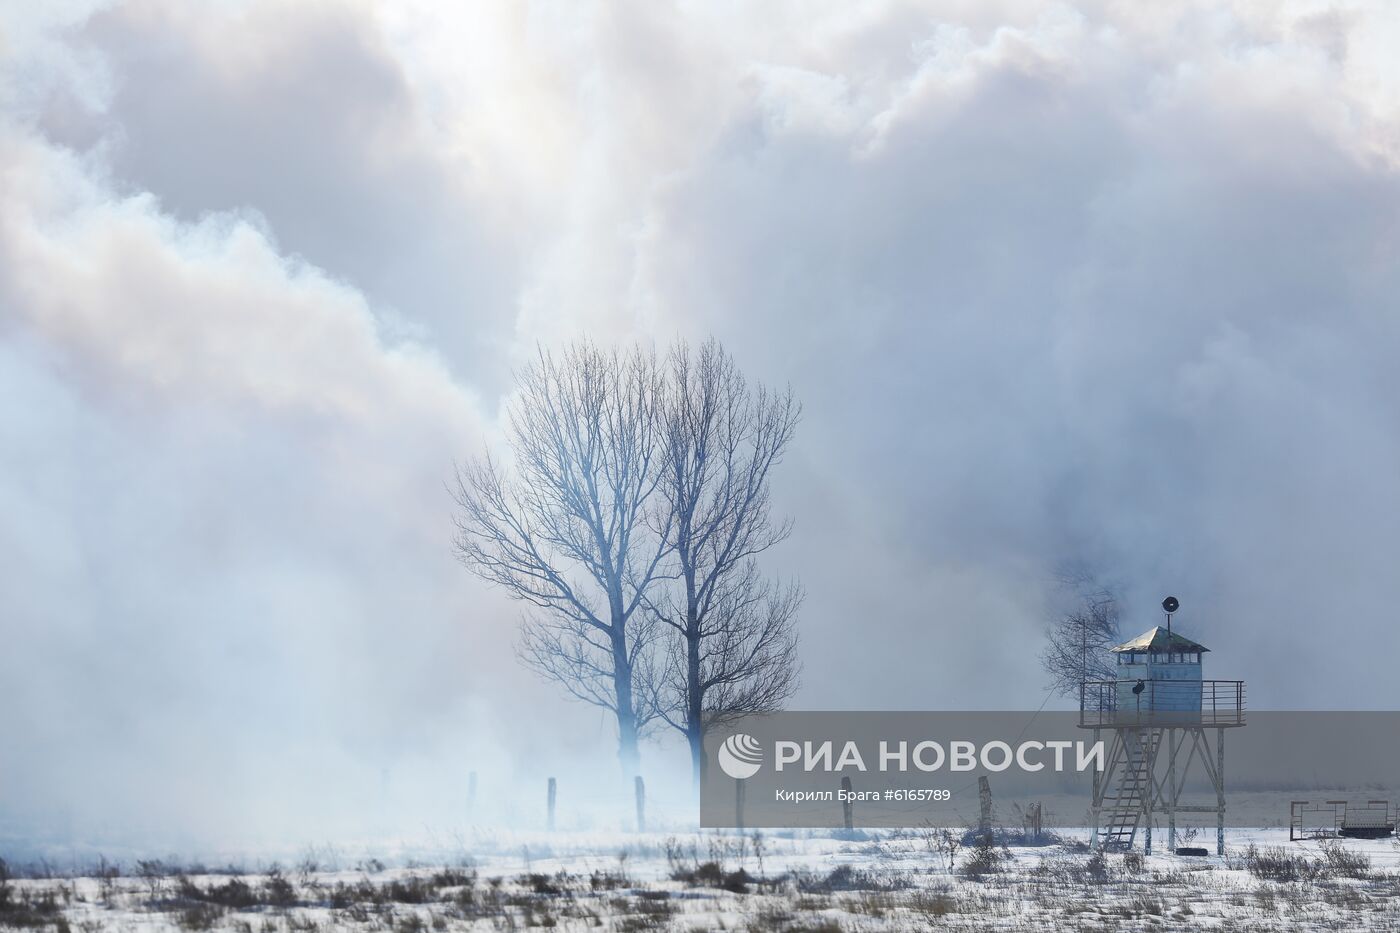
(571, 530)
(1078, 642)
(733, 648)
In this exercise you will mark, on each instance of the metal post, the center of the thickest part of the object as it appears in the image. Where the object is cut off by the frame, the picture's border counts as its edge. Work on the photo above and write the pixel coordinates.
(641, 792)
(847, 814)
(739, 805)
(553, 785)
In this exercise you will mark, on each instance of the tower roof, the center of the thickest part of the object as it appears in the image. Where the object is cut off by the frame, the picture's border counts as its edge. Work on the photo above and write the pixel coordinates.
(1158, 639)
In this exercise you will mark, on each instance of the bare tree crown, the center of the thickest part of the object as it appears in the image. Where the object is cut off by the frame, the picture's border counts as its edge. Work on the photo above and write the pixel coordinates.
(733, 645)
(631, 521)
(571, 530)
(1078, 642)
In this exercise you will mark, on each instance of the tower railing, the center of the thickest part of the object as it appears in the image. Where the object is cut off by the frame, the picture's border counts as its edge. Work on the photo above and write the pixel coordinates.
(1115, 704)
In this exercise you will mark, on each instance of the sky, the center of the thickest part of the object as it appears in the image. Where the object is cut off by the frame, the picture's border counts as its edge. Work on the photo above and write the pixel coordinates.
(1104, 284)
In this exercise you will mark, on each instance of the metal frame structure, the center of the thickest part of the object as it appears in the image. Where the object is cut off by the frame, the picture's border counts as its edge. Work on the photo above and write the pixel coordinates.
(1152, 752)
(1332, 818)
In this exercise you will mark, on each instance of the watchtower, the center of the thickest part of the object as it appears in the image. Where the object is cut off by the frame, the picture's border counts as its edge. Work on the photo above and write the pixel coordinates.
(1161, 715)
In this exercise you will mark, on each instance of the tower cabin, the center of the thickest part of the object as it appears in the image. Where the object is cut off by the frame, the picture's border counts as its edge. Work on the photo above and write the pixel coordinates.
(1158, 672)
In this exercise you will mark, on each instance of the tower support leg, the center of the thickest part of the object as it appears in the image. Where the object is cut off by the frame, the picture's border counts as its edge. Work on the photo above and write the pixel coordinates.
(1172, 745)
(1096, 800)
(1220, 791)
(1148, 751)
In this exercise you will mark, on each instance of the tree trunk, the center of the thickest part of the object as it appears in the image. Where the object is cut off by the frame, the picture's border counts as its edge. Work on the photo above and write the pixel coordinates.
(694, 693)
(627, 753)
(695, 700)
(697, 755)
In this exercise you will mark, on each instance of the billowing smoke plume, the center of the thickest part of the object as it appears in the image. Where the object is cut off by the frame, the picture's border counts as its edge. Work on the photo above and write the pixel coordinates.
(1092, 283)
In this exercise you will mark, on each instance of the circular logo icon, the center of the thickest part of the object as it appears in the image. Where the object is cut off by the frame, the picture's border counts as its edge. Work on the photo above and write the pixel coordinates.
(740, 756)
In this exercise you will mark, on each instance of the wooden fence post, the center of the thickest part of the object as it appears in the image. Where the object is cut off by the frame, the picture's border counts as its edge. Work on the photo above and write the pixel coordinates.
(984, 822)
(847, 807)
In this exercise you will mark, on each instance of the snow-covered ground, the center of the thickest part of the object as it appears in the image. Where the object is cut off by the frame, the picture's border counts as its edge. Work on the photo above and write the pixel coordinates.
(889, 880)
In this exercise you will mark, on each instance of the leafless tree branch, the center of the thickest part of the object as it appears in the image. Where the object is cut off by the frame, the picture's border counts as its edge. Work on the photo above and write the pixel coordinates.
(1078, 642)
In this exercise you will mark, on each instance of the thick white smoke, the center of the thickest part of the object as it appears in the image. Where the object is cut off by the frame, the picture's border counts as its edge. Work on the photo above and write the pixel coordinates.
(1106, 283)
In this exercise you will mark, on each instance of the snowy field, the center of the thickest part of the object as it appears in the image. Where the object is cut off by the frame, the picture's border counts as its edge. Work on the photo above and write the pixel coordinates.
(890, 880)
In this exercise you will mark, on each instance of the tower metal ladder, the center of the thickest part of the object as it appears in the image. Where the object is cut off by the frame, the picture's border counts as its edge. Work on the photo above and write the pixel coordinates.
(1124, 807)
